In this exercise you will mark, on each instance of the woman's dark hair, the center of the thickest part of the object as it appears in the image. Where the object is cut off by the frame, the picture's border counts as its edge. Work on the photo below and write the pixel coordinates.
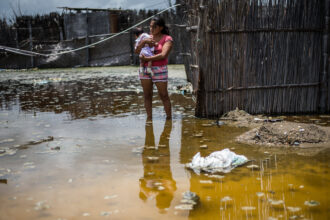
(161, 23)
(137, 31)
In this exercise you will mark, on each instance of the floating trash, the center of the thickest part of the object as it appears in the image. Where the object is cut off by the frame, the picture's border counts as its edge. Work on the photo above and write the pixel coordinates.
(150, 148)
(248, 208)
(219, 123)
(311, 203)
(105, 213)
(8, 151)
(189, 200)
(293, 209)
(271, 191)
(153, 159)
(110, 197)
(258, 119)
(291, 187)
(198, 135)
(86, 214)
(70, 180)
(7, 141)
(138, 150)
(29, 165)
(276, 203)
(206, 181)
(160, 188)
(253, 167)
(56, 148)
(191, 196)
(203, 146)
(260, 194)
(226, 199)
(216, 176)
(220, 161)
(296, 143)
(184, 207)
(42, 205)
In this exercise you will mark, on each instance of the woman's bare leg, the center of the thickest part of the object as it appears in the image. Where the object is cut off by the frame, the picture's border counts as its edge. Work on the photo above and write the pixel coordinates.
(147, 92)
(163, 94)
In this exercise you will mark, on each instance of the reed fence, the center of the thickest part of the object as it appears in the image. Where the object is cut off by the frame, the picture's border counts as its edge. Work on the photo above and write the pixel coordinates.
(263, 56)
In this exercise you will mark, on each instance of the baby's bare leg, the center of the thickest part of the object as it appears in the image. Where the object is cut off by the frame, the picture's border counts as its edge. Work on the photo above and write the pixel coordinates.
(141, 66)
(149, 67)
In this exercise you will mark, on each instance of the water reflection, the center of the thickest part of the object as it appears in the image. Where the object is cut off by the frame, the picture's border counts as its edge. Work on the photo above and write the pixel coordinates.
(83, 98)
(157, 181)
(97, 148)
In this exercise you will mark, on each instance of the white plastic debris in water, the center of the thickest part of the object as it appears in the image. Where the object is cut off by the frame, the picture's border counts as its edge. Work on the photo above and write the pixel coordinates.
(226, 199)
(312, 203)
(220, 161)
(293, 209)
(248, 208)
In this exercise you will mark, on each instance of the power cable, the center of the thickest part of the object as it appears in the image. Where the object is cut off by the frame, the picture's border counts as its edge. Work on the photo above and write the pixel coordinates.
(31, 53)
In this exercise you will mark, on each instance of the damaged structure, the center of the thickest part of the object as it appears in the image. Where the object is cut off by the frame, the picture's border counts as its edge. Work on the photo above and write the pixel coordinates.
(268, 57)
(74, 28)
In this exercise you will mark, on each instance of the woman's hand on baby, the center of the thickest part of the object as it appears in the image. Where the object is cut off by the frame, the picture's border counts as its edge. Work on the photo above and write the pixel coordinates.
(142, 57)
(149, 41)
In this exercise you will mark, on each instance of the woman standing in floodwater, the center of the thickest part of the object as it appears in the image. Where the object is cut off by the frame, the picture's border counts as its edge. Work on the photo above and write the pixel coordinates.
(163, 44)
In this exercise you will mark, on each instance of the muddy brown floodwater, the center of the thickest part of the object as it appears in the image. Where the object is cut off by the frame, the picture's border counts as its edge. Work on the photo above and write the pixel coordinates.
(75, 144)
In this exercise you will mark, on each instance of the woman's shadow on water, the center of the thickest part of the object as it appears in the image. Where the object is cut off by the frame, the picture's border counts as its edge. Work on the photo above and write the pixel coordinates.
(157, 181)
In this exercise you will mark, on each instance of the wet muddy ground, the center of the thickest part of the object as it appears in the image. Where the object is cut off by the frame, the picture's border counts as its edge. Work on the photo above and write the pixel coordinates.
(75, 144)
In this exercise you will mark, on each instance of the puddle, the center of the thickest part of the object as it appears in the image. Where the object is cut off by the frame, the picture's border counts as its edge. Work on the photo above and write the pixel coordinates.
(80, 147)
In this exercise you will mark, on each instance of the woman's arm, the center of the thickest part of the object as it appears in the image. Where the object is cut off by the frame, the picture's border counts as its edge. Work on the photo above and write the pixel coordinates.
(163, 55)
(142, 44)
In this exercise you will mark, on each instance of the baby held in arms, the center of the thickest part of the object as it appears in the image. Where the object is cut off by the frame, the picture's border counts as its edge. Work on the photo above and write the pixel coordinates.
(146, 51)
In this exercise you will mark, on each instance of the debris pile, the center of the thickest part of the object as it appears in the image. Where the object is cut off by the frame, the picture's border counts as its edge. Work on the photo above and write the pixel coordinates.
(284, 133)
(241, 118)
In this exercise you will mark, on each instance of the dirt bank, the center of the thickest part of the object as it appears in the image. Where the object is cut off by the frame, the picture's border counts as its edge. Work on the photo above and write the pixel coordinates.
(274, 132)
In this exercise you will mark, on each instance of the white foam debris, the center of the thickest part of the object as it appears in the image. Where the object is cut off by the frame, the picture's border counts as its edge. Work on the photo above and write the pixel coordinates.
(42, 205)
(110, 197)
(248, 208)
(184, 207)
(293, 209)
(276, 203)
(311, 203)
(226, 199)
(260, 194)
(206, 181)
(253, 166)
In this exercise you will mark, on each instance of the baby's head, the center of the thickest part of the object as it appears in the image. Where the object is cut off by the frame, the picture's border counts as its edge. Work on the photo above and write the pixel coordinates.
(137, 32)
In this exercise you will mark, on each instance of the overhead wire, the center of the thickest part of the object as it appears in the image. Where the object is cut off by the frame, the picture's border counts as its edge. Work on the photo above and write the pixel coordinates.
(31, 53)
